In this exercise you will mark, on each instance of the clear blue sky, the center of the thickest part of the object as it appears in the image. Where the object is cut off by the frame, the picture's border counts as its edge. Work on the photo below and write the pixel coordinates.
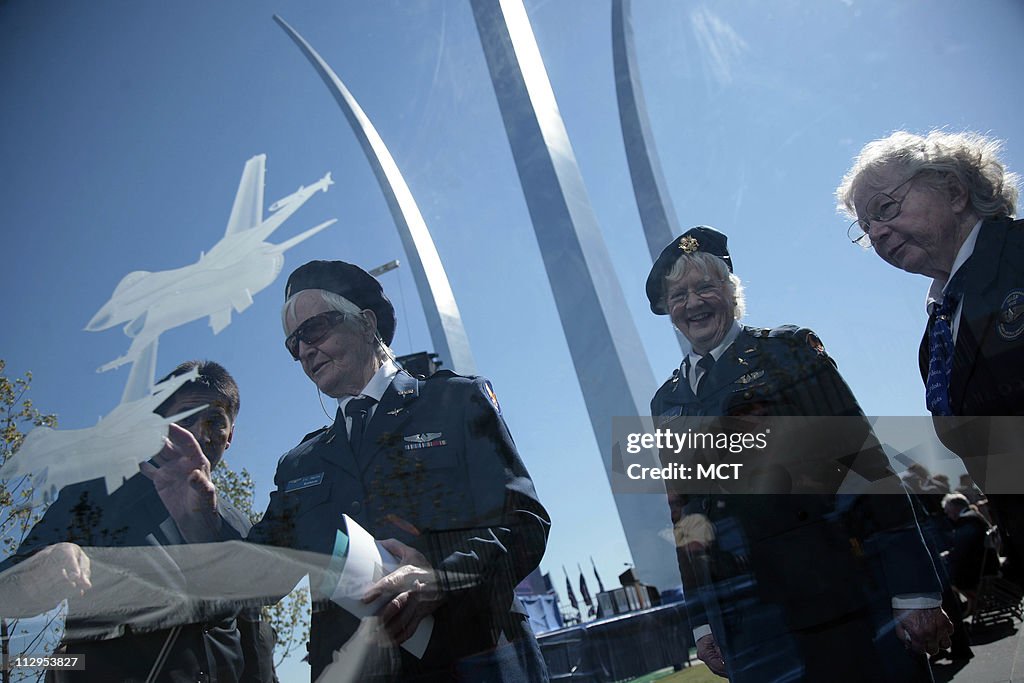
(124, 127)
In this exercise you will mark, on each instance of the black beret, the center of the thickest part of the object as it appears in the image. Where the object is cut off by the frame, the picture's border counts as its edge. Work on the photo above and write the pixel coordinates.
(351, 282)
(701, 238)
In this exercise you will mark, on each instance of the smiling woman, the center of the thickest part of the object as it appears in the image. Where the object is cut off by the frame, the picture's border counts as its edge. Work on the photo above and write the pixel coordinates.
(735, 370)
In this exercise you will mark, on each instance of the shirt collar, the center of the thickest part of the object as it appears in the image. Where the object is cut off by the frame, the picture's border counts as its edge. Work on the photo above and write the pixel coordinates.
(938, 286)
(377, 385)
(717, 352)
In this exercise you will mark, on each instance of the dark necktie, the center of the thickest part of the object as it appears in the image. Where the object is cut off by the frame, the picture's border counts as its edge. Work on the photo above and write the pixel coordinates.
(705, 363)
(358, 409)
(940, 352)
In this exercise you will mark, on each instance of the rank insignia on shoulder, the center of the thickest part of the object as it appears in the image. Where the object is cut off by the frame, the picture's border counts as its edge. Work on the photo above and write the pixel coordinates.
(304, 482)
(491, 398)
(815, 343)
(750, 377)
(425, 440)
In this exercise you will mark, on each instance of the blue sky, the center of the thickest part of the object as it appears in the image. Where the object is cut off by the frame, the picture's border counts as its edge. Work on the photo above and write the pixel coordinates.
(124, 128)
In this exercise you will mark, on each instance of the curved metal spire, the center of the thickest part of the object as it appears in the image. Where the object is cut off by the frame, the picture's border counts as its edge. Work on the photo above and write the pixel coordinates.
(611, 363)
(657, 216)
(652, 199)
(442, 313)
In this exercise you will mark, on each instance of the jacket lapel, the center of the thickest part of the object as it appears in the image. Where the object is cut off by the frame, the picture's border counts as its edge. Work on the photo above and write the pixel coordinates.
(385, 428)
(738, 360)
(977, 312)
(333, 446)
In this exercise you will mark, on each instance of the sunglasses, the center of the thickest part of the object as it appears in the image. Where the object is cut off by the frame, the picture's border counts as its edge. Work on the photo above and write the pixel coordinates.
(312, 330)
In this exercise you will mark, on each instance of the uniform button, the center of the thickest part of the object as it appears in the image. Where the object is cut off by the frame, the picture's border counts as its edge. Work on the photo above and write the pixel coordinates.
(747, 395)
(356, 507)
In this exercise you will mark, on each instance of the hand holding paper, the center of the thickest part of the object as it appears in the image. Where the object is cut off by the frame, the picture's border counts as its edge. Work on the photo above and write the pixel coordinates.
(386, 579)
(410, 592)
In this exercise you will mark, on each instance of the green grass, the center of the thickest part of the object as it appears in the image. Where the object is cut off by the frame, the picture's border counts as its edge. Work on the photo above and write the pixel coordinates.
(693, 674)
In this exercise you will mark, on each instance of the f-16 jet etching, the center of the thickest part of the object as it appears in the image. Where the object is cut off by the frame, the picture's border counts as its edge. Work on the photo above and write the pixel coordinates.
(241, 264)
(113, 449)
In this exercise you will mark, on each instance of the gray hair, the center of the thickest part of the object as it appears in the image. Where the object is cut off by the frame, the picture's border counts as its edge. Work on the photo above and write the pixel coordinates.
(713, 268)
(972, 158)
(959, 499)
(354, 319)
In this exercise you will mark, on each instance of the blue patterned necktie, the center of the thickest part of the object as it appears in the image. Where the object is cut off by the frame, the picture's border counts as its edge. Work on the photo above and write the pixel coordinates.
(940, 353)
(358, 409)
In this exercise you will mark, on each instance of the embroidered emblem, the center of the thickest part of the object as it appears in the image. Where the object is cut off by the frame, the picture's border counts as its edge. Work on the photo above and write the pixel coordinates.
(1010, 321)
(304, 482)
(406, 392)
(815, 343)
(751, 376)
(689, 245)
(396, 411)
(491, 398)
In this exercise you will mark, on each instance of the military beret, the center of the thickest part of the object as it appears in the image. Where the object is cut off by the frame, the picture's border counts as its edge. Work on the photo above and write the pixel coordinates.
(349, 281)
(701, 238)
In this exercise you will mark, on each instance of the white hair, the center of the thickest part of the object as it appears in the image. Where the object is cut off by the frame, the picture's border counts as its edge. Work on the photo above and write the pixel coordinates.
(354, 319)
(713, 268)
(971, 158)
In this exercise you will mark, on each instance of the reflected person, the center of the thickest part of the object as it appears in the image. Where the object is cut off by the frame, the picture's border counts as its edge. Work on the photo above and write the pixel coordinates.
(183, 641)
(428, 468)
(942, 205)
(791, 586)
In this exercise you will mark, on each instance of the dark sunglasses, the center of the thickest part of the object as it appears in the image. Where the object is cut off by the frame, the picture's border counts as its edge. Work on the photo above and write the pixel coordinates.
(312, 330)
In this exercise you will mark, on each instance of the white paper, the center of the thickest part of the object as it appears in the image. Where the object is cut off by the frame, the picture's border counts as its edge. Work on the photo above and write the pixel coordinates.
(366, 562)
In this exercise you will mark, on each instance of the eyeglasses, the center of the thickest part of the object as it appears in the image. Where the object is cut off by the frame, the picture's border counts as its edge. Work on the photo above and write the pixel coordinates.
(704, 291)
(881, 207)
(312, 330)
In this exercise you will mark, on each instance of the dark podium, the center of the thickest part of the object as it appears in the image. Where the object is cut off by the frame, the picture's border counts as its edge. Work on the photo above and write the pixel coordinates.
(620, 647)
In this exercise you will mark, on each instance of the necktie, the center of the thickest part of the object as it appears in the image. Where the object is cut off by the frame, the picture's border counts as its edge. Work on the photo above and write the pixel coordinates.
(358, 409)
(705, 363)
(940, 354)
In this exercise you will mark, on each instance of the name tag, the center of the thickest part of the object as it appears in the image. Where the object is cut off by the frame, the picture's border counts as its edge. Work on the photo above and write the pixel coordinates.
(304, 482)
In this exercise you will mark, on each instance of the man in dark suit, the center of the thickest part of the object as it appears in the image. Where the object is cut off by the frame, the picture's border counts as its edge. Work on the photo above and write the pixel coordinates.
(942, 205)
(815, 586)
(970, 555)
(428, 468)
(164, 636)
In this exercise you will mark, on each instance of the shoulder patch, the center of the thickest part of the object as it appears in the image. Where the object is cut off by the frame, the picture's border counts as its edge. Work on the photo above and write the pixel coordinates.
(815, 343)
(1010, 321)
(488, 392)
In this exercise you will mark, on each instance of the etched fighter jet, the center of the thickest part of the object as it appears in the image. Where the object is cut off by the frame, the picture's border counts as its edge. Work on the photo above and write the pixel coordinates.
(113, 449)
(241, 264)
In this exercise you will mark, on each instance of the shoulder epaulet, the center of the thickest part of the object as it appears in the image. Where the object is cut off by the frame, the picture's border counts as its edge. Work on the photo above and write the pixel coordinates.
(309, 436)
(442, 373)
(794, 335)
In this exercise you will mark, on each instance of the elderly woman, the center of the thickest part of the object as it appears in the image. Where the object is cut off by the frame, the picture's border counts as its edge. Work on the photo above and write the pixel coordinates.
(942, 205)
(806, 587)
